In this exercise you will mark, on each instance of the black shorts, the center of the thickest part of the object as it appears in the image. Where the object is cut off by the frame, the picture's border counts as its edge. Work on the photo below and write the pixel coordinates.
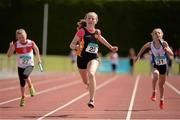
(131, 62)
(161, 68)
(83, 61)
(114, 66)
(24, 74)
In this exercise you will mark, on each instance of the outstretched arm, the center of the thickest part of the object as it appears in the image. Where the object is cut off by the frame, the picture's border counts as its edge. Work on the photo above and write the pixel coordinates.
(106, 43)
(11, 49)
(145, 46)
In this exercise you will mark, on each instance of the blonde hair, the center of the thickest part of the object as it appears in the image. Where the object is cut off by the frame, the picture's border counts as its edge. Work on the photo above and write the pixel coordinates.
(92, 14)
(20, 31)
(82, 22)
(156, 30)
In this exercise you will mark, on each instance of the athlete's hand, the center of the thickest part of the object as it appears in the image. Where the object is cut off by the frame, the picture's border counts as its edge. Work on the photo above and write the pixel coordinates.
(40, 66)
(114, 48)
(165, 49)
(11, 44)
(77, 47)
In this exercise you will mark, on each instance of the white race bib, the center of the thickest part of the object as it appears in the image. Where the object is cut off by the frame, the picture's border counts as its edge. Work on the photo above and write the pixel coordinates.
(160, 60)
(92, 48)
(25, 60)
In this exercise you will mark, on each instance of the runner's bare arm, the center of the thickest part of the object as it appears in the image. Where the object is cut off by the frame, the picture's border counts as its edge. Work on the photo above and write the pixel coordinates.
(36, 49)
(106, 43)
(167, 49)
(145, 46)
(11, 49)
(74, 42)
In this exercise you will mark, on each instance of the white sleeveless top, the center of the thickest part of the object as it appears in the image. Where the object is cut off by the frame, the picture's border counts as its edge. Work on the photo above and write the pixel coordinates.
(158, 56)
(114, 58)
(24, 53)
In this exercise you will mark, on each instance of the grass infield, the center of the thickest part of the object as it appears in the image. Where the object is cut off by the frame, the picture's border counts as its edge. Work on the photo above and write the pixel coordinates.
(63, 63)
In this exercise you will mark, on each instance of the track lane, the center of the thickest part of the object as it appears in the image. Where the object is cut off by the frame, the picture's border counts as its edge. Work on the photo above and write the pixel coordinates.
(76, 99)
(112, 100)
(40, 83)
(45, 100)
(144, 108)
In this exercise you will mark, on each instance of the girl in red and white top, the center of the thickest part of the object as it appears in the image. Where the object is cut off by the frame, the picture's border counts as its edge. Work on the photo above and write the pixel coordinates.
(25, 59)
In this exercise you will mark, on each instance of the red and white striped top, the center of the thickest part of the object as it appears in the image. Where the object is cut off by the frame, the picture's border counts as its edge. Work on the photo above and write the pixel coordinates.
(24, 53)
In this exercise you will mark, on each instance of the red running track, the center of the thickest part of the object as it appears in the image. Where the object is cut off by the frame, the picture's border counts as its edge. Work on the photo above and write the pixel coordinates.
(63, 96)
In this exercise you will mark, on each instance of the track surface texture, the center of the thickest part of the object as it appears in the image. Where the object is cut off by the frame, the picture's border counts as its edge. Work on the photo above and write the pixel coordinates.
(63, 96)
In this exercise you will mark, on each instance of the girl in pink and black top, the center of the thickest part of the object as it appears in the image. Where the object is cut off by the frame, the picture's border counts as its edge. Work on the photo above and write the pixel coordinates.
(86, 43)
(25, 58)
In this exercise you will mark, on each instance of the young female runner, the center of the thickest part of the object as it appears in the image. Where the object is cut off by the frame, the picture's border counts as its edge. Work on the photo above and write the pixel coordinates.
(25, 58)
(159, 53)
(86, 43)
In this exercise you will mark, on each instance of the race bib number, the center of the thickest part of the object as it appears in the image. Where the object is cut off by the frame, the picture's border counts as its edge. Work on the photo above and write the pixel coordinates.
(25, 60)
(92, 48)
(160, 60)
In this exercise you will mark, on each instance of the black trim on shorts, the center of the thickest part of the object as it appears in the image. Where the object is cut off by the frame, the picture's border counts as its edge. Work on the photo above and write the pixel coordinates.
(24, 74)
(83, 61)
(161, 68)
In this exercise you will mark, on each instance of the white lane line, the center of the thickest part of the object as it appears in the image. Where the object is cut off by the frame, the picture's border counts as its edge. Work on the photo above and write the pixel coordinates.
(36, 83)
(173, 88)
(128, 117)
(46, 90)
(77, 98)
(9, 88)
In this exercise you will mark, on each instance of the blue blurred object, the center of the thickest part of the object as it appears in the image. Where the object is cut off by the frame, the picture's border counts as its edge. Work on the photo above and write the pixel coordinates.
(123, 66)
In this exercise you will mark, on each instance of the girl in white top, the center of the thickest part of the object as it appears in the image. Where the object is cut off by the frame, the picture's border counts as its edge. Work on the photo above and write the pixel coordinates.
(159, 49)
(25, 59)
(114, 58)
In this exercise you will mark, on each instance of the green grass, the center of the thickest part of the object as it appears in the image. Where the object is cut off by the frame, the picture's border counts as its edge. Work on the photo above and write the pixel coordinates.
(50, 63)
(57, 63)
(142, 67)
(63, 63)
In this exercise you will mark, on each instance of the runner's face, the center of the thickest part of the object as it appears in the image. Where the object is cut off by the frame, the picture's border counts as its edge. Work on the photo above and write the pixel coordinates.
(157, 34)
(21, 37)
(91, 19)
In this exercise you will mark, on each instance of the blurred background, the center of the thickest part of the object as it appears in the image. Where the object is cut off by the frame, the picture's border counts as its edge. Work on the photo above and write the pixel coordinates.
(125, 23)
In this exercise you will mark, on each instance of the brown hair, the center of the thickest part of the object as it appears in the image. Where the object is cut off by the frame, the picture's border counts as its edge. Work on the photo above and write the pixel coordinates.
(81, 24)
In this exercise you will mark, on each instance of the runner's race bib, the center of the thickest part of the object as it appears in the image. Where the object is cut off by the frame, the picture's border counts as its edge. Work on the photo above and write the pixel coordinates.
(92, 48)
(25, 60)
(160, 60)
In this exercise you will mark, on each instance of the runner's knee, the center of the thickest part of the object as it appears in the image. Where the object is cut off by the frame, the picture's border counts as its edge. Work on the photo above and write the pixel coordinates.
(91, 74)
(22, 82)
